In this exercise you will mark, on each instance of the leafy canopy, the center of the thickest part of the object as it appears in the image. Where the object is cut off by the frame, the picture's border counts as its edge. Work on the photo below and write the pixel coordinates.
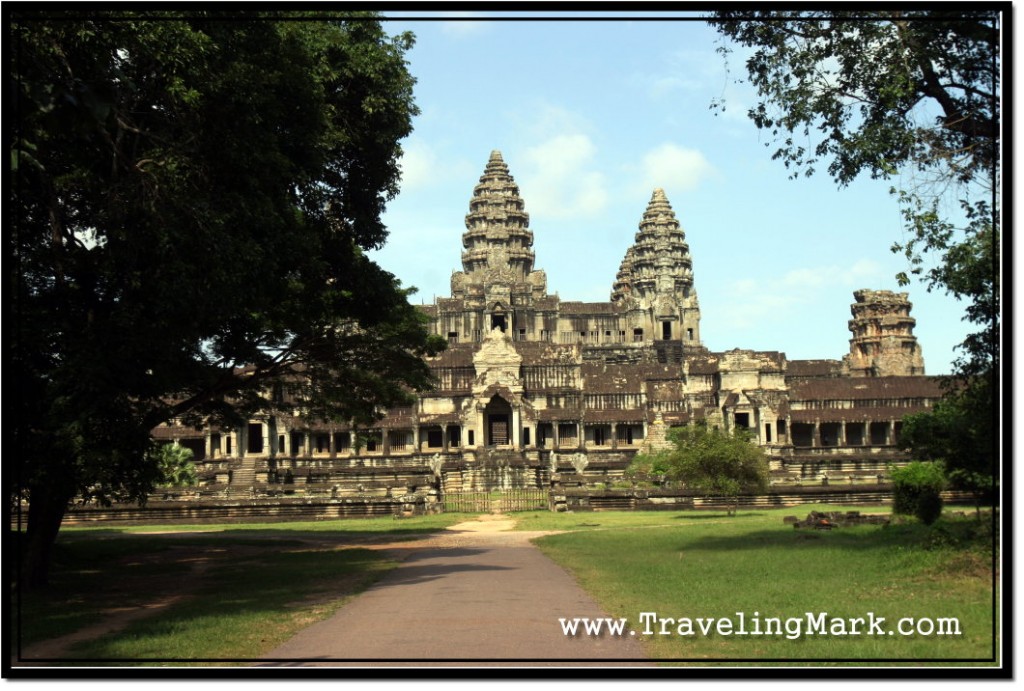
(952, 434)
(193, 195)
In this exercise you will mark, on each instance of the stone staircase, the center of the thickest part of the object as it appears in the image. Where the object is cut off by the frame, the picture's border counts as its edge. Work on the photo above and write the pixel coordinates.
(243, 478)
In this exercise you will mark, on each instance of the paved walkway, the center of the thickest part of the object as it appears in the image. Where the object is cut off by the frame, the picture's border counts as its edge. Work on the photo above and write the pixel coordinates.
(477, 595)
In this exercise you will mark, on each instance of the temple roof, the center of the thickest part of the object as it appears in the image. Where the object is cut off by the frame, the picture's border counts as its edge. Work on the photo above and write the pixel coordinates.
(862, 388)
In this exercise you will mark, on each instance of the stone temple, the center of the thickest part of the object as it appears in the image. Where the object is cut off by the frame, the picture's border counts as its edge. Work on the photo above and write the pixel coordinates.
(531, 384)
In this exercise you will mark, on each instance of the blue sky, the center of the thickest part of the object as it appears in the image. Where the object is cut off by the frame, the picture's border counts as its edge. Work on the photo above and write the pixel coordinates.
(590, 117)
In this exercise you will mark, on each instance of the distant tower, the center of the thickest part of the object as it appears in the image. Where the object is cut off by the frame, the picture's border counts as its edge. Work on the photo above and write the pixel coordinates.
(883, 342)
(658, 274)
(623, 286)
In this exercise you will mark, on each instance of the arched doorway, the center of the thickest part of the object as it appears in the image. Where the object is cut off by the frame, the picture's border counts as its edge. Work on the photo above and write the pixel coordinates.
(498, 422)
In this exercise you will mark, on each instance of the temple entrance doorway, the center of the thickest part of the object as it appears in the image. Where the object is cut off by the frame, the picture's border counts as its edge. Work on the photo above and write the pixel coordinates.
(498, 422)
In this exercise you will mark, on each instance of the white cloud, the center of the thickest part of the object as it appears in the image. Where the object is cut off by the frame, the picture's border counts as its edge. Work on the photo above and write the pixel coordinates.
(559, 179)
(669, 166)
(427, 167)
(674, 167)
(418, 165)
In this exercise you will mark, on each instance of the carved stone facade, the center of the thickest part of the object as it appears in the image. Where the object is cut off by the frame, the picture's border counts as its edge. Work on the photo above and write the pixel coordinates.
(883, 343)
(535, 385)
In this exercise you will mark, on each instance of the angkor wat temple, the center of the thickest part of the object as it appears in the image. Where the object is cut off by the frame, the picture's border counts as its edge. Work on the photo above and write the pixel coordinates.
(531, 384)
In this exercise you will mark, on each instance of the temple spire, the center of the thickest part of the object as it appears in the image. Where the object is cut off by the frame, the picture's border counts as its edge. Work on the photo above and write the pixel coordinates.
(656, 273)
(497, 242)
(661, 258)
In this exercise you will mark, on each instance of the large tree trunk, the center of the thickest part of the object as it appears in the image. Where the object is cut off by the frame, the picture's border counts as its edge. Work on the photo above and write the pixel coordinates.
(45, 513)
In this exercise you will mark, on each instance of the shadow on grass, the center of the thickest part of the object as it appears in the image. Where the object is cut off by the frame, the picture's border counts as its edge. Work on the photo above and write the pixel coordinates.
(702, 517)
(943, 534)
(242, 605)
(221, 532)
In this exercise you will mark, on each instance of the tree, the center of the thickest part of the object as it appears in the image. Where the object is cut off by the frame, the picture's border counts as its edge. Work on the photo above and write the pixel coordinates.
(193, 196)
(713, 462)
(953, 435)
(916, 490)
(177, 469)
(914, 94)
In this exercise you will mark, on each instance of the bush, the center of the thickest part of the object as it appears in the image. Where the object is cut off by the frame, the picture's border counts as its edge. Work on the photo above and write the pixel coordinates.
(177, 468)
(916, 490)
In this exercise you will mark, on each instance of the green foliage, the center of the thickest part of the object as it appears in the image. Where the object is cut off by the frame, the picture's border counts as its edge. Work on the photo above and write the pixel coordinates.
(177, 468)
(882, 89)
(648, 464)
(713, 462)
(916, 490)
(193, 196)
(954, 434)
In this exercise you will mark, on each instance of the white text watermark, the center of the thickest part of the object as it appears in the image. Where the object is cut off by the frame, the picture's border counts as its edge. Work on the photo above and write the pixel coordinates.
(743, 624)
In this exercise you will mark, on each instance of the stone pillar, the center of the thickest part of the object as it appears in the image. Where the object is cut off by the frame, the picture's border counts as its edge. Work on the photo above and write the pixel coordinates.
(332, 449)
(309, 444)
(265, 427)
(581, 436)
(352, 443)
(816, 436)
(272, 449)
(209, 444)
(889, 441)
(416, 439)
(385, 441)
(554, 432)
(516, 433)
(615, 435)
(841, 441)
(445, 438)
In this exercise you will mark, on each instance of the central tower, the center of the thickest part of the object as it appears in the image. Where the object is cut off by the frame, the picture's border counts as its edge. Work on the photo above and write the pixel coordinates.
(497, 244)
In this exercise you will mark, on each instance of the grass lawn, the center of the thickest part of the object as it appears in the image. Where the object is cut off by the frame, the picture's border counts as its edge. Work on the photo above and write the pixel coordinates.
(240, 589)
(689, 565)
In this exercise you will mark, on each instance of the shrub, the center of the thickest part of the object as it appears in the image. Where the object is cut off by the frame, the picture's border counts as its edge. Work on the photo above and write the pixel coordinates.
(176, 466)
(916, 490)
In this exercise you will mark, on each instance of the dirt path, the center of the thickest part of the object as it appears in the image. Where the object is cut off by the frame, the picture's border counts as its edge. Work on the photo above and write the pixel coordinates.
(477, 594)
(115, 619)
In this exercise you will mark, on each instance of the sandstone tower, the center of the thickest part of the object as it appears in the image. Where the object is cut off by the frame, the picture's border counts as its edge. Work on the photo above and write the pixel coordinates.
(657, 274)
(883, 342)
(498, 243)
